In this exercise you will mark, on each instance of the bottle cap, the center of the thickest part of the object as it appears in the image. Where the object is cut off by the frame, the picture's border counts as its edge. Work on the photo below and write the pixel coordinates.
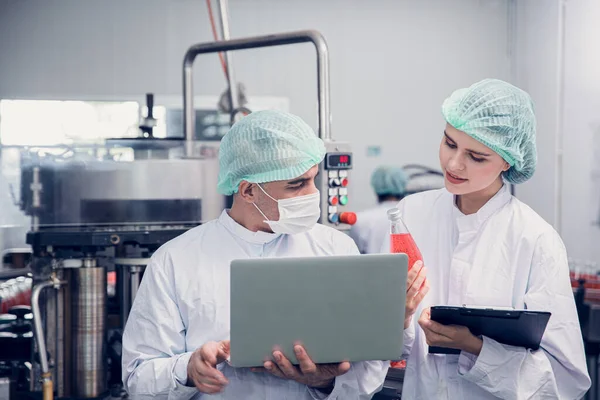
(394, 214)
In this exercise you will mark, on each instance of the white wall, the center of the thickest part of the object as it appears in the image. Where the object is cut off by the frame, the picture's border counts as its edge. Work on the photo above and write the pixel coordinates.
(581, 190)
(536, 51)
(537, 69)
(392, 62)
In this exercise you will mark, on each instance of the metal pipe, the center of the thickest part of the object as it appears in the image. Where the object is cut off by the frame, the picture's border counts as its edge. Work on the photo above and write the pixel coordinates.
(47, 388)
(511, 50)
(64, 345)
(36, 202)
(279, 39)
(136, 276)
(129, 275)
(123, 286)
(89, 262)
(224, 19)
(88, 304)
(37, 323)
(39, 335)
(559, 117)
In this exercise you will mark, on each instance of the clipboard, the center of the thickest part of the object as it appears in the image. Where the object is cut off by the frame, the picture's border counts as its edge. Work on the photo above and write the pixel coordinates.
(522, 328)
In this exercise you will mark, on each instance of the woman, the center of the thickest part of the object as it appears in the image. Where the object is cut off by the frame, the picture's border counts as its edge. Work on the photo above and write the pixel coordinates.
(484, 247)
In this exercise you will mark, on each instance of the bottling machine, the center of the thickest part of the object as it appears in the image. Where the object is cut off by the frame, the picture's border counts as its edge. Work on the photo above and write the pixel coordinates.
(95, 222)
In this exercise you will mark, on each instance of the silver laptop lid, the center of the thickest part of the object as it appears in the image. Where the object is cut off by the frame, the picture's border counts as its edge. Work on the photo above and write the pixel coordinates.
(338, 307)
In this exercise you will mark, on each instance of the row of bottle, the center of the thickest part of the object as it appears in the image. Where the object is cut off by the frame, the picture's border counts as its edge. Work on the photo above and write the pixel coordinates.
(586, 271)
(15, 292)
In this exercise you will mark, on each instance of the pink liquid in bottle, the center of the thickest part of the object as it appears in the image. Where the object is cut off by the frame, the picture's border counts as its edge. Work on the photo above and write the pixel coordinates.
(401, 241)
(404, 243)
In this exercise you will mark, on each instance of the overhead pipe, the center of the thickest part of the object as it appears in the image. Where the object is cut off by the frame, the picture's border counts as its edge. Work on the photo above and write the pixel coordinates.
(558, 143)
(224, 19)
(308, 36)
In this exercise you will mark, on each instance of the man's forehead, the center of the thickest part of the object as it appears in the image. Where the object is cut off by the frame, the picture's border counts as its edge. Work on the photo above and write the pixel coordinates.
(310, 174)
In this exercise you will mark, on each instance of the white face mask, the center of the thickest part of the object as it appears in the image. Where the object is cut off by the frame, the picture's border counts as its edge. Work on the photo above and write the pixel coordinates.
(296, 215)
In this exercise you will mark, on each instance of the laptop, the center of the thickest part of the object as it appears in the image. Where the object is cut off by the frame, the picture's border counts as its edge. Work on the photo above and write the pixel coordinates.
(340, 308)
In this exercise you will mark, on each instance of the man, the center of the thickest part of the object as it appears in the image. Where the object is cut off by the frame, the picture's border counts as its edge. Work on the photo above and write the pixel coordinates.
(372, 226)
(176, 340)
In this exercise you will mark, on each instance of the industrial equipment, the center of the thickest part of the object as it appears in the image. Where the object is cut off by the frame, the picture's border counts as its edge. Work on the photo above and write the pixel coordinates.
(91, 218)
(97, 217)
(334, 177)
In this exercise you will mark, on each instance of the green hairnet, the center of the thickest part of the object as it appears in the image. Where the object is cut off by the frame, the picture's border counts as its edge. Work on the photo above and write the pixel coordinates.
(388, 181)
(501, 116)
(267, 146)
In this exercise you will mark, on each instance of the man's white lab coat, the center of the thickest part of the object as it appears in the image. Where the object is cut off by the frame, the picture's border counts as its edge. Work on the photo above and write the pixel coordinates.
(183, 302)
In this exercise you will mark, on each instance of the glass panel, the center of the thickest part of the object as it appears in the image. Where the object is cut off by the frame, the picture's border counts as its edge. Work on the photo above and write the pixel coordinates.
(60, 171)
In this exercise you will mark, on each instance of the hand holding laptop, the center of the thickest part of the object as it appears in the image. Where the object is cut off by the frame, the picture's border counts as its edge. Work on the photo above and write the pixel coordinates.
(307, 372)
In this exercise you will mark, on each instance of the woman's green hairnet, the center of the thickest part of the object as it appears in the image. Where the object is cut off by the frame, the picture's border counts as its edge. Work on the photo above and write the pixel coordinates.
(501, 116)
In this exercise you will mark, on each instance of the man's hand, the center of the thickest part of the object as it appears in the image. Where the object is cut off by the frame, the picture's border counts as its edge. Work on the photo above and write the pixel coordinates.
(417, 287)
(307, 373)
(451, 336)
(202, 369)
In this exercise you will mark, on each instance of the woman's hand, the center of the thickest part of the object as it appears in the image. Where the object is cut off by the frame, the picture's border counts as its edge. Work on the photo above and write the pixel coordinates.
(450, 336)
(417, 287)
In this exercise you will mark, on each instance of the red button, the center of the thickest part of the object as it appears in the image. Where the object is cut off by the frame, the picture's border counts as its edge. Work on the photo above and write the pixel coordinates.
(348, 218)
(345, 182)
(333, 200)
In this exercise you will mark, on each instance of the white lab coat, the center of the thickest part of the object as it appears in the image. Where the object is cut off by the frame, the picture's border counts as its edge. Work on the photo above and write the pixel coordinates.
(372, 228)
(504, 255)
(183, 302)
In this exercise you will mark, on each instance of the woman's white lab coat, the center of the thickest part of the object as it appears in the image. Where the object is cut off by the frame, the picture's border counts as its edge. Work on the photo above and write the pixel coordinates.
(504, 255)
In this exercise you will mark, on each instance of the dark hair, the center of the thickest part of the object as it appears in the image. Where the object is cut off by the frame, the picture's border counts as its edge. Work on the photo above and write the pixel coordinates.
(389, 197)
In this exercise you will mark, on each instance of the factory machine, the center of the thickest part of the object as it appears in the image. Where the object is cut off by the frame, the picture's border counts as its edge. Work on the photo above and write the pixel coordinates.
(334, 178)
(95, 222)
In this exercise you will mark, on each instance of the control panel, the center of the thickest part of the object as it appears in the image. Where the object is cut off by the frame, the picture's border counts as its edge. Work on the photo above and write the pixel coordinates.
(333, 181)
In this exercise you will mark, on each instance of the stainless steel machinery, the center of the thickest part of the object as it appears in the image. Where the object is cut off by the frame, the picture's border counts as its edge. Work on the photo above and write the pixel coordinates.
(73, 192)
(95, 221)
(97, 216)
(334, 178)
